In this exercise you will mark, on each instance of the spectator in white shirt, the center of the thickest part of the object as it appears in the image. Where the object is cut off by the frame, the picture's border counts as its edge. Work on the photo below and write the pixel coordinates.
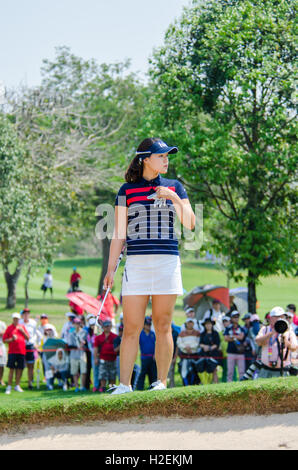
(31, 343)
(190, 313)
(47, 283)
(215, 314)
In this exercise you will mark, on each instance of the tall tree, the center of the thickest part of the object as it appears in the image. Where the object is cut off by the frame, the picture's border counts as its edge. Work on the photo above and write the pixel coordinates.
(224, 85)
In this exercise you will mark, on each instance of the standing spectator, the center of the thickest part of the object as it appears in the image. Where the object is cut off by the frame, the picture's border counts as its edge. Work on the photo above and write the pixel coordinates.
(15, 336)
(226, 321)
(249, 351)
(89, 328)
(234, 335)
(49, 332)
(215, 314)
(105, 356)
(47, 283)
(190, 313)
(270, 342)
(147, 347)
(34, 338)
(292, 309)
(74, 280)
(3, 355)
(78, 357)
(171, 375)
(120, 324)
(209, 350)
(68, 326)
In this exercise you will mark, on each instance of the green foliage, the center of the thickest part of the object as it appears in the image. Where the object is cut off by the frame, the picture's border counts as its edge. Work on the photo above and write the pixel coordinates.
(223, 88)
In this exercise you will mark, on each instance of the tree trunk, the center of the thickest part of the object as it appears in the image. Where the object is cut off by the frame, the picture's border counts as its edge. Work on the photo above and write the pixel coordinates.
(11, 283)
(105, 259)
(26, 286)
(252, 298)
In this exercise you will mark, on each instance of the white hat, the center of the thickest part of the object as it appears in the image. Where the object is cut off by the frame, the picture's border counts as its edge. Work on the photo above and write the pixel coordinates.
(234, 312)
(190, 319)
(70, 314)
(277, 312)
(226, 319)
(49, 326)
(92, 321)
(16, 315)
(90, 315)
(289, 314)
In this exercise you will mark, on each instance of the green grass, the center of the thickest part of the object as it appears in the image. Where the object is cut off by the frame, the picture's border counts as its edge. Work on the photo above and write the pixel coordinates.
(256, 397)
(275, 290)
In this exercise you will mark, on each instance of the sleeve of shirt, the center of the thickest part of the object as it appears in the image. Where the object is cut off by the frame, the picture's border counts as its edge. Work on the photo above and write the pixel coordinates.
(6, 334)
(121, 197)
(180, 190)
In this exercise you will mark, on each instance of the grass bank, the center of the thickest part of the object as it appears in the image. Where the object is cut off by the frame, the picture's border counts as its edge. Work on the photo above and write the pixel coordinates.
(49, 408)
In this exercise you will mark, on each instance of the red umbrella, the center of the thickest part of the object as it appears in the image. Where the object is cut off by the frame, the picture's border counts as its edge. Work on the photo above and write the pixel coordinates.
(201, 298)
(88, 303)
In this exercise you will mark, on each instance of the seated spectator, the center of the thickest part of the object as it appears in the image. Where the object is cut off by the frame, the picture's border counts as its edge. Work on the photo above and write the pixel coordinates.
(215, 314)
(235, 335)
(270, 342)
(190, 313)
(188, 345)
(210, 353)
(78, 357)
(105, 356)
(59, 365)
(147, 348)
(3, 354)
(15, 336)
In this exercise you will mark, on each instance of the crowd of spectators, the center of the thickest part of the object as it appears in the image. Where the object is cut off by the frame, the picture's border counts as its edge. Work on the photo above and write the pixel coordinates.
(219, 347)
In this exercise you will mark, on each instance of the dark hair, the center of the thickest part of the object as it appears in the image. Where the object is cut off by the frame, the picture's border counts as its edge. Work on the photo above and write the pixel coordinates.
(135, 170)
(292, 307)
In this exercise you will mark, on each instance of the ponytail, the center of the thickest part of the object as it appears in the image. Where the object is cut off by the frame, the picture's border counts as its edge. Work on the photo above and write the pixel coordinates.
(134, 172)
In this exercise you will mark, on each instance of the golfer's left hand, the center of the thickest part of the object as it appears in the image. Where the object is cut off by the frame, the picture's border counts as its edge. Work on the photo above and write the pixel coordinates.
(165, 193)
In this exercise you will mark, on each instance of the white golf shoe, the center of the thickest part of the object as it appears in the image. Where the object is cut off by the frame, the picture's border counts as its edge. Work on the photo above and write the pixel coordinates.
(119, 389)
(157, 386)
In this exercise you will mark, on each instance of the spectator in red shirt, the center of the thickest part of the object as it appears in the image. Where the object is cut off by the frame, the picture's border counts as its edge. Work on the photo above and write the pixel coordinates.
(15, 336)
(105, 356)
(74, 280)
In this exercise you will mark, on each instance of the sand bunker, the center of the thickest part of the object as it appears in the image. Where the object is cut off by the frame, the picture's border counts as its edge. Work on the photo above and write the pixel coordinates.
(235, 432)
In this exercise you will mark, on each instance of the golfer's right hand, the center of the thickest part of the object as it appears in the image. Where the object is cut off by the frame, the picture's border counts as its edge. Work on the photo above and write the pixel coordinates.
(108, 280)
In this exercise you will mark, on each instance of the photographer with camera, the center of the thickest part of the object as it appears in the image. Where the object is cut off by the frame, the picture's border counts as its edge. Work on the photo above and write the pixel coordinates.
(277, 341)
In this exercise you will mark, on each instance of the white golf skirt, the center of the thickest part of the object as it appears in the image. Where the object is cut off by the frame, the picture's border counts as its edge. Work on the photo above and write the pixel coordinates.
(152, 275)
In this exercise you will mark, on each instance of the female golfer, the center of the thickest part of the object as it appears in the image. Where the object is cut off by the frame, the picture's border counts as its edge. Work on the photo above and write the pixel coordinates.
(145, 211)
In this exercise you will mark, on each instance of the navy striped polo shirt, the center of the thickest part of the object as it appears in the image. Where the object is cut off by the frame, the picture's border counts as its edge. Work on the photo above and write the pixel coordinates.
(150, 229)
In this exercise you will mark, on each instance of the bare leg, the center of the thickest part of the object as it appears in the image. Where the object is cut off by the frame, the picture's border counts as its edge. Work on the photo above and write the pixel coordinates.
(134, 309)
(162, 313)
(10, 376)
(19, 373)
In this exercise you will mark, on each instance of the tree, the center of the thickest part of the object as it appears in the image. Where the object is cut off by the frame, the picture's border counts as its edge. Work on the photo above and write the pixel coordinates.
(224, 90)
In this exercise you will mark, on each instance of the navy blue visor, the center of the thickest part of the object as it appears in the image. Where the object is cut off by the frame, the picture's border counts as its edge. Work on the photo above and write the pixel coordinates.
(158, 147)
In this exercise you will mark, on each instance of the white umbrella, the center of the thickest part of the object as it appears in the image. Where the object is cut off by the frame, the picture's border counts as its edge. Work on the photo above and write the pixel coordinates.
(241, 298)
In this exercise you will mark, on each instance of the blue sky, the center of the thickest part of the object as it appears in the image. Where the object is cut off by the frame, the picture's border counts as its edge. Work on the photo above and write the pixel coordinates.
(107, 30)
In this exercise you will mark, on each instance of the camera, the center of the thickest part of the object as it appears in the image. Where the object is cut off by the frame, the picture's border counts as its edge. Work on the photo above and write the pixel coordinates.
(281, 326)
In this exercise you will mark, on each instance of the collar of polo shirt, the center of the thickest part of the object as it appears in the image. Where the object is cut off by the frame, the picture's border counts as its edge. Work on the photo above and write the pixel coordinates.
(156, 181)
